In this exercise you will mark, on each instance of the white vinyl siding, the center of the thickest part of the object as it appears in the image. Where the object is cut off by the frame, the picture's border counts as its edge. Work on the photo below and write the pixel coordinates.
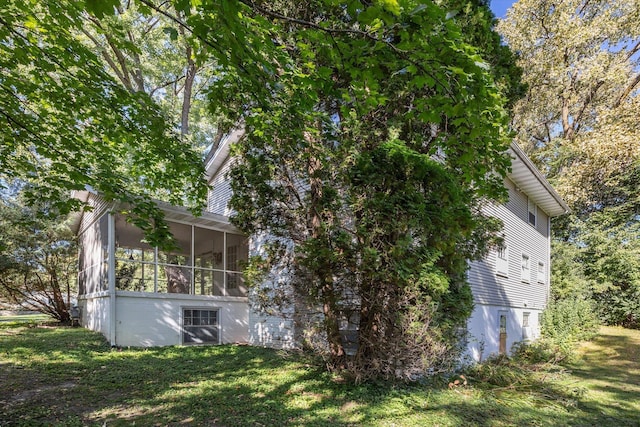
(520, 237)
(220, 193)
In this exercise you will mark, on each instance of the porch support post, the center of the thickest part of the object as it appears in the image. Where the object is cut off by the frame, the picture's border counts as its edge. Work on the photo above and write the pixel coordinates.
(192, 264)
(224, 263)
(111, 233)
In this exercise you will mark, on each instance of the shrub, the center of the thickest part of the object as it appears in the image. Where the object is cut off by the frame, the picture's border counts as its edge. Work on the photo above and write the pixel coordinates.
(620, 308)
(544, 350)
(569, 320)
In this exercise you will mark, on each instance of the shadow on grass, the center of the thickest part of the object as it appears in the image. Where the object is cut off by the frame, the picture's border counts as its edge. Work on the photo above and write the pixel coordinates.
(610, 370)
(69, 376)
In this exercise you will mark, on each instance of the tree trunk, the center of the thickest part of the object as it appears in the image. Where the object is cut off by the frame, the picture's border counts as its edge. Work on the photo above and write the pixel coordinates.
(324, 274)
(58, 299)
(190, 77)
(332, 325)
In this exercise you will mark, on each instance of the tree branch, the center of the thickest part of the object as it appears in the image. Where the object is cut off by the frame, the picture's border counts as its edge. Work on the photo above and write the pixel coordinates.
(162, 86)
(332, 31)
(106, 56)
(587, 101)
(123, 73)
(137, 72)
(627, 91)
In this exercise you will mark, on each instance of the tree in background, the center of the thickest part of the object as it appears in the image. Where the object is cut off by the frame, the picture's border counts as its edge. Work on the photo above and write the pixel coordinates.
(38, 259)
(147, 52)
(579, 122)
(66, 123)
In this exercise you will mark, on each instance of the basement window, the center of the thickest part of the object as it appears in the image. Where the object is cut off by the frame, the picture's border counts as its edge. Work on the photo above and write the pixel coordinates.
(200, 326)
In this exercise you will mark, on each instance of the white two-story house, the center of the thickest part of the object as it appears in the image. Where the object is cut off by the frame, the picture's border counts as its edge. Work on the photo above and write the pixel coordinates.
(137, 295)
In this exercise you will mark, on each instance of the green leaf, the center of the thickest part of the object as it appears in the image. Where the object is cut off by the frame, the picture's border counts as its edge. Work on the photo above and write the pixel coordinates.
(100, 8)
(171, 32)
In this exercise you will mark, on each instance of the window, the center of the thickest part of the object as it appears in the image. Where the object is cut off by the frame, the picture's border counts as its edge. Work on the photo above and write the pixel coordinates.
(204, 261)
(232, 264)
(542, 273)
(526, 269)
(502, 261)
(533, 212)
(200, 326)
(525, 319)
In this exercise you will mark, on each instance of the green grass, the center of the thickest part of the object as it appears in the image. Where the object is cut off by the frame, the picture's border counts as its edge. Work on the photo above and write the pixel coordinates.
(30, 318)
(70, 376)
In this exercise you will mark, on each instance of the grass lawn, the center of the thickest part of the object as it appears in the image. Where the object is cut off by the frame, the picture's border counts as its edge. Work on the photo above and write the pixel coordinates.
(70, 376)
(25, 318)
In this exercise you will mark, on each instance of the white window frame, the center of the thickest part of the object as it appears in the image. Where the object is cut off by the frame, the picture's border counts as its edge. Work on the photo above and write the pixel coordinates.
(526, 319)
(525, 268)
(542, 272)
(502, 261)
(532, 210)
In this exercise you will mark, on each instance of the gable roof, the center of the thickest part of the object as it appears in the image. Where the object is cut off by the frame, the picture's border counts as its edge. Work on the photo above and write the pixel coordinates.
(215, 158)
(530, 180)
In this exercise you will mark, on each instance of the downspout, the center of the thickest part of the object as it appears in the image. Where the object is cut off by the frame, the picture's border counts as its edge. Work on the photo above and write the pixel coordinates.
(111, 276)
(548, 272)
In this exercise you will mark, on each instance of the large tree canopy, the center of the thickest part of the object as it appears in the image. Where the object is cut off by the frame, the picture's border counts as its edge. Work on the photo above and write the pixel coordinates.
(579, 121)
(374, 133)
(579, 118)
(65, 123)
(148, 52)
(346, 106)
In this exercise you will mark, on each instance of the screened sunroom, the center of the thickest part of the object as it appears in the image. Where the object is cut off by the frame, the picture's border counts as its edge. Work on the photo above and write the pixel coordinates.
(206, 262)
(140, 295)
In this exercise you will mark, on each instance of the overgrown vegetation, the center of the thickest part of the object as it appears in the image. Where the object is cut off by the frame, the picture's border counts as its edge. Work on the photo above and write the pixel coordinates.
(70, 377)
(38, 258)
(337, 165)
(569, 320)
(578, 122)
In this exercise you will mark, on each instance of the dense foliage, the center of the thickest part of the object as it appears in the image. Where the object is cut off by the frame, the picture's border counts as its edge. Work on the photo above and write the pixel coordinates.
(578, 121)
(38, 260)
(345, 105)
(66, 123)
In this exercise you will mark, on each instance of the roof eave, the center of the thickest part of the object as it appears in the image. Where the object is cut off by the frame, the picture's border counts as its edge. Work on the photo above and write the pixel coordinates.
(215, 160)
(529, 179)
